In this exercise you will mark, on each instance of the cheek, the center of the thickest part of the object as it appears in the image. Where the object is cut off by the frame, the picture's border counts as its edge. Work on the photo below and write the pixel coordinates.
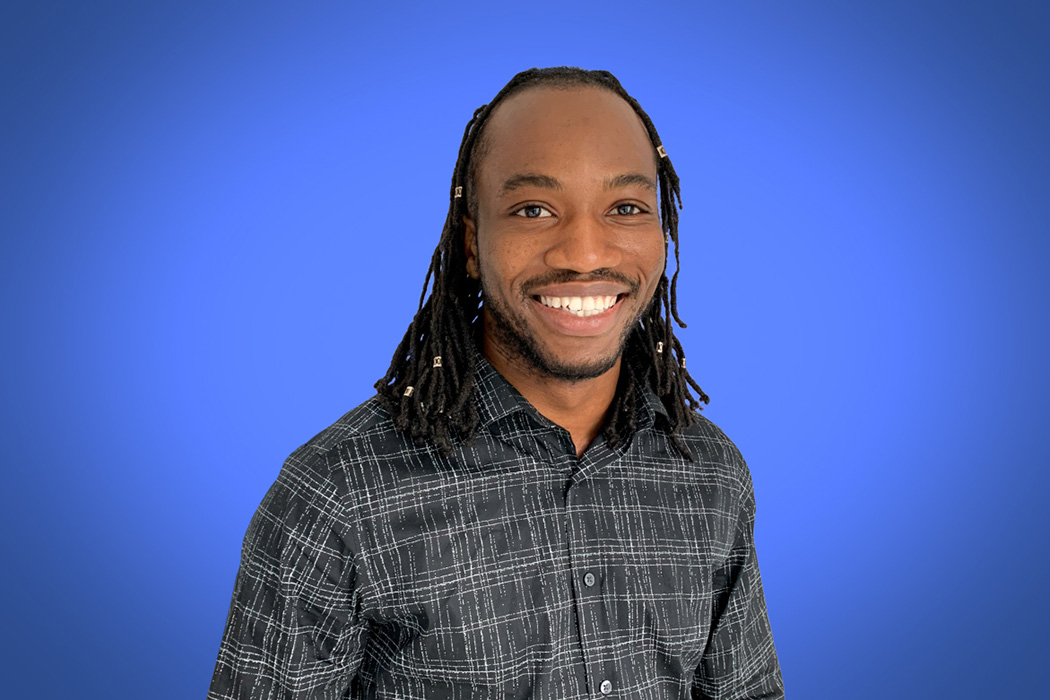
(651, 255)
(652, 263)
(494, 275)
(506, 261)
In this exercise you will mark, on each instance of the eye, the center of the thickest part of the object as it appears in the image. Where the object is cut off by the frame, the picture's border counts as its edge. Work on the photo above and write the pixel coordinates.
(533, 211)
(628, 209)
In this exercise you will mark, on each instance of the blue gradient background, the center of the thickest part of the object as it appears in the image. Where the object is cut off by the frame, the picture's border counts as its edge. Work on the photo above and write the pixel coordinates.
(216, 218)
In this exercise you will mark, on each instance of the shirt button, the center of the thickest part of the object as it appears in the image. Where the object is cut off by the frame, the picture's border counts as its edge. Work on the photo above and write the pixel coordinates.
(588, 581)
(606, 687)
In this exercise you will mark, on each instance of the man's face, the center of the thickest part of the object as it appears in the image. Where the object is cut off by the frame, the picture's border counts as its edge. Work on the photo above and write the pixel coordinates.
(567, 241)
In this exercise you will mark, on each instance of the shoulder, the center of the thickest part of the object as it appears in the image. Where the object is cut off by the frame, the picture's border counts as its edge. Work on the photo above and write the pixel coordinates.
(366, 420)
(715, 452)
(305, 512)
(311, 498)
(311, 470)
(711, 441)
(359, 455)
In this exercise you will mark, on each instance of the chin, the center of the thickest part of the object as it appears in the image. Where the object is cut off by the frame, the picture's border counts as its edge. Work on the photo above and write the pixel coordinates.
(518, 340)
(547, 363)
(578, 373)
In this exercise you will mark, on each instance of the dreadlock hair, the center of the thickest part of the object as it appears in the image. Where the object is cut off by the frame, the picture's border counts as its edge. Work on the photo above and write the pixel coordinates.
(429, 388)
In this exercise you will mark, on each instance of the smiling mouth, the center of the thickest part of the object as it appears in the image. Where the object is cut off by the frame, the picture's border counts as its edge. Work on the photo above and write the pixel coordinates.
(581, 307)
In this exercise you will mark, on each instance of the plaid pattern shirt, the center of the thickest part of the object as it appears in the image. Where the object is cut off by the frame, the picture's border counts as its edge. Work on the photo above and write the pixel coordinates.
(377, 568)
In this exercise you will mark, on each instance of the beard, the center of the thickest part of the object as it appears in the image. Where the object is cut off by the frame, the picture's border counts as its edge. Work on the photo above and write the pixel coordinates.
(512, 333)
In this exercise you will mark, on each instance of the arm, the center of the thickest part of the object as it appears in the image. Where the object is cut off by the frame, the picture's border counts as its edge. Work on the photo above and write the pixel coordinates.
(740, 662)
(291, 631)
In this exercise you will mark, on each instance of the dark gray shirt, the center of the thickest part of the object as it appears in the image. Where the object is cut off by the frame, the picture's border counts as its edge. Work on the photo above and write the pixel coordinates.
(377, 568)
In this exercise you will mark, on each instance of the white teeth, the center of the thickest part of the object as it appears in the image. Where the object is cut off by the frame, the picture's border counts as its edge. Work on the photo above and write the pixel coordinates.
(580, 306)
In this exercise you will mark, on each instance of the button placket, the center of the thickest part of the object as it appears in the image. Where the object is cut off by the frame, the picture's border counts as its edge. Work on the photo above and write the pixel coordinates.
(589, 606)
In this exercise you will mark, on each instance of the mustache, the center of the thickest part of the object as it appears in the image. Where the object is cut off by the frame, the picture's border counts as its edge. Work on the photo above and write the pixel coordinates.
(563, 276)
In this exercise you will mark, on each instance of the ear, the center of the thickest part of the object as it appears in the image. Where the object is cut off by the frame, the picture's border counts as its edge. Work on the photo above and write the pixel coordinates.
(470, 246)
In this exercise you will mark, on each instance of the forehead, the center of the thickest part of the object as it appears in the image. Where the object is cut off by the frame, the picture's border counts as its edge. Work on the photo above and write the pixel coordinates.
(566, 129)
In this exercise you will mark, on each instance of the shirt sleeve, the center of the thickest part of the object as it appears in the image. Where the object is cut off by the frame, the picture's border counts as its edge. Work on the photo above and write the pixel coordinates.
(740, 662)
(292, 632)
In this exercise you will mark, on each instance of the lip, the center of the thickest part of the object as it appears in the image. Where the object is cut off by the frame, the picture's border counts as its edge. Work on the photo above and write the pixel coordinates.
(570, 324)
(581, 289)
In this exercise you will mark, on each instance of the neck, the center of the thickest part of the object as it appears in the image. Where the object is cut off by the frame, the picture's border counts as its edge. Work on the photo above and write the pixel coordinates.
(578, 406)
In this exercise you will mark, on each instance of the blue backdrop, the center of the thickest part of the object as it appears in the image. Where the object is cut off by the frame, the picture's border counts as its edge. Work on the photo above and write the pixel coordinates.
(216, 218)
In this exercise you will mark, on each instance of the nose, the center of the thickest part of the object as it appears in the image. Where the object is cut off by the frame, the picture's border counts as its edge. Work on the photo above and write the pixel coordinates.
(583, 244)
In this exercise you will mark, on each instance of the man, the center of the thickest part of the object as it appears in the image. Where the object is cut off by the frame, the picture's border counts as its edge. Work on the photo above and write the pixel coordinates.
(531, 506)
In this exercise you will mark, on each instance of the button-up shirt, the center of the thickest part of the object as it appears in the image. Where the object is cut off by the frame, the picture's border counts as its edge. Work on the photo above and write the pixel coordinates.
(379, 568)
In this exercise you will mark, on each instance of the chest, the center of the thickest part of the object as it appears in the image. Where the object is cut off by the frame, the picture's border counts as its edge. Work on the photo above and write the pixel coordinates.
(519, 574)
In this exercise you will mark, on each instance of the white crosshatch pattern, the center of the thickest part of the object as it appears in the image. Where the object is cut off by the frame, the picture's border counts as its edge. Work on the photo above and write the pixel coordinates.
(377, 568)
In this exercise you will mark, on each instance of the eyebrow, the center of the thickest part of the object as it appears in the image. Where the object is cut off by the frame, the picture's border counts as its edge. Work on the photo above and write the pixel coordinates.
(628, 179)
(515, 182)
(546, 182)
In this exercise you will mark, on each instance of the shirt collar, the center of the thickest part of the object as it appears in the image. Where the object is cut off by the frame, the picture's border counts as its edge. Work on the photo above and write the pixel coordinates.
(498, 398)
(649, 404)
